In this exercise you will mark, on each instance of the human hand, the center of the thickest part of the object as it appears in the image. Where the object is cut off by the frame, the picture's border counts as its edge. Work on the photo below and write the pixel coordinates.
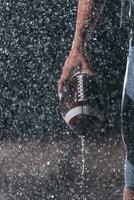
(76, 58)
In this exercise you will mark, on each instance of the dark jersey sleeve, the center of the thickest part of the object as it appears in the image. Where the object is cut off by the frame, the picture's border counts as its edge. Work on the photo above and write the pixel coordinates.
(127, 14)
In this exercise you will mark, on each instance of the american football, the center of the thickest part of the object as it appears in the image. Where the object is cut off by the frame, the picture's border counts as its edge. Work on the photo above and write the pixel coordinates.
(81, 103)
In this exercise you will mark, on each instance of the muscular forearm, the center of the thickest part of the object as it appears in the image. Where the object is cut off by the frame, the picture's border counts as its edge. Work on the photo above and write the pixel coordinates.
(84, 15)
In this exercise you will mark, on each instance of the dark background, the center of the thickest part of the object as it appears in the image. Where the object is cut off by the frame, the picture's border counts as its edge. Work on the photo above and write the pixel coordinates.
(35, 40)
(45, 162)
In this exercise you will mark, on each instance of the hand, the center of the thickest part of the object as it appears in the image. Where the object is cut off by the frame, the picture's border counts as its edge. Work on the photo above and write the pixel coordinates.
(76, 58)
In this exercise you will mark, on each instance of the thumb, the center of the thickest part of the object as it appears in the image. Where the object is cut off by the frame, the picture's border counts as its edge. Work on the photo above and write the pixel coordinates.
(87, 69)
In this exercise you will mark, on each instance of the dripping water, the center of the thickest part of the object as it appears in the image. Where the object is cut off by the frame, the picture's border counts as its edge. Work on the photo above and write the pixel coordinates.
(83, 166)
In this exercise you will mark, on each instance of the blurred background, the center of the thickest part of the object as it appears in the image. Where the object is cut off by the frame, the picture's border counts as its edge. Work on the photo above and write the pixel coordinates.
(40, 158)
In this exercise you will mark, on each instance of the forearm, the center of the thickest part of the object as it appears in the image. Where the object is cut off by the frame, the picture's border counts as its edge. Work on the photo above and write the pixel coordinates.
(84, 15)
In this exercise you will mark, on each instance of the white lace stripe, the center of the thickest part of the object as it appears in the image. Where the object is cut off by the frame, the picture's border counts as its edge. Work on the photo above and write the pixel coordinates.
(77, 111)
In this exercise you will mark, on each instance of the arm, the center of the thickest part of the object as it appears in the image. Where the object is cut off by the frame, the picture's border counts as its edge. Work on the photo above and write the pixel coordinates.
(86, 16)
(77, 55)
(83, 13)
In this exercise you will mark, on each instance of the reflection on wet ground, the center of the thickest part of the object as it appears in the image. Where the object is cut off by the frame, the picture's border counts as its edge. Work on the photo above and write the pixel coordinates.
(50, 168)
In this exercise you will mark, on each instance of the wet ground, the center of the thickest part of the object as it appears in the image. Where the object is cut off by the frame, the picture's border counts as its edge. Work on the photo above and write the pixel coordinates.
(53, 168)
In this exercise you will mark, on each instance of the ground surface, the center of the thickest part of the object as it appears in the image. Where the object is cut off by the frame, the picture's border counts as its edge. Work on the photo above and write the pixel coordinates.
(51, 168)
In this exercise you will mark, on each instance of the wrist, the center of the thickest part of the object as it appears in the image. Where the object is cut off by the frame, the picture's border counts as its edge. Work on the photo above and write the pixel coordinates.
(79, 41)
(78, 46)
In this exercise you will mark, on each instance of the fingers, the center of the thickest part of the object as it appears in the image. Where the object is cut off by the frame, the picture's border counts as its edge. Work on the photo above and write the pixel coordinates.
(60, 85)
(70, 64)
(62, 79)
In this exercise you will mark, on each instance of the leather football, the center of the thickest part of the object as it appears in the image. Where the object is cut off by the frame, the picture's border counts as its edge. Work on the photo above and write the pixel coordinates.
(81, 103)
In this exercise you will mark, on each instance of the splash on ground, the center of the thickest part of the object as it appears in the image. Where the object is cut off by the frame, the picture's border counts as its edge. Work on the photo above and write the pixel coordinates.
(50, 168)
